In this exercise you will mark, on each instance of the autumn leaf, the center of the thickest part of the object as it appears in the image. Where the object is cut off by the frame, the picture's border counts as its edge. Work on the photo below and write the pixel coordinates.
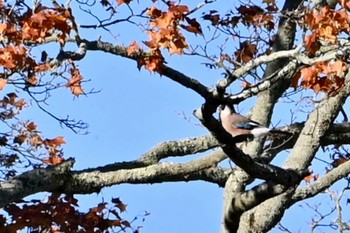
(328, 33)
(56, 142)
(53, 160)
(246, 52)
(269, 1)
(309, 75)
(345, 4)
(19, 104)
(193, 26)
(3, 82)
(32, 81)
(154, 12)
(295, 80)
(123, 1)
(31, 126)
(339, 161)
(312, 44)
(119, 204)
(133, 48)
(311, 177)
(36, 141)
(213, 17)
(179, 9)
(125, 223)
(74, 83)
(20, 139)
(246, 84)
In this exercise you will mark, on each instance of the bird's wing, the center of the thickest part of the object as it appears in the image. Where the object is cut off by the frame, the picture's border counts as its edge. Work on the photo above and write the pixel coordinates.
(247, 125)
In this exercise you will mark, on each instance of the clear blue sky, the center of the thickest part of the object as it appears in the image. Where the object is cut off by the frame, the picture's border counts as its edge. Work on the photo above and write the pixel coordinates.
(134, 111)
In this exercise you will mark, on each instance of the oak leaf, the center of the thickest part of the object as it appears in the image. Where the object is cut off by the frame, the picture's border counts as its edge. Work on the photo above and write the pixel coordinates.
(55, 142)
(74, 83)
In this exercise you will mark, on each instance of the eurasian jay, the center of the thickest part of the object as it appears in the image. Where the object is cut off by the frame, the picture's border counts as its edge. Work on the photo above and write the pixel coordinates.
(238, 125)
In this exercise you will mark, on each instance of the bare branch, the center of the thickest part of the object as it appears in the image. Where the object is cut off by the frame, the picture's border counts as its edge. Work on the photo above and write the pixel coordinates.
(59, 178)
(322, 183)
(180, 148)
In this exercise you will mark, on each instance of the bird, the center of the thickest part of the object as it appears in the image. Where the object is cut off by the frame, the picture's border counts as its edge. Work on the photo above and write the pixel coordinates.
(238, 125)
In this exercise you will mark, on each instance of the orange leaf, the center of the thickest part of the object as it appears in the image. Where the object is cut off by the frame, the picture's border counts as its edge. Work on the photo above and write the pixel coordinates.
(53, 160)
(246, 84)
(3, 82)
(328, 33)
(74, 83)
(133, 48)
(312, 43)
(311, 177)
(177, 46)
(56, 142)
(19, 104)
(181, 9)
(309, 75)
(345, 4)
(338, 67)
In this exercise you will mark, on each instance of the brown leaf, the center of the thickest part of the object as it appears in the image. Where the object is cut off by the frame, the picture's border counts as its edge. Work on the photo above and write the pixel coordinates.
(20, 139)
(31, 126)
(295, 80)
(3, 141)
(154, 12)
(126, 223)
(121, 206)
(337, 162)
(123, 1)
(246, 52)
(193, 26)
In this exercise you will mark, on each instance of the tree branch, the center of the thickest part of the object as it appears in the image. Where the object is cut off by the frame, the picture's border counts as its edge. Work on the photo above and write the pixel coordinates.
(322, 183)
(60, 179)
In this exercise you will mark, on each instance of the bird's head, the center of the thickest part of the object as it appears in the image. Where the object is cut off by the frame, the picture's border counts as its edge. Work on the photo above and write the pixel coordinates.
(226, 108)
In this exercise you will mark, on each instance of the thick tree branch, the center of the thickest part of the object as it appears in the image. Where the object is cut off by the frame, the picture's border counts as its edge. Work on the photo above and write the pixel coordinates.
(61, 179)
(322, 183)
(35, 181)
(242, 202)
(179, 148)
